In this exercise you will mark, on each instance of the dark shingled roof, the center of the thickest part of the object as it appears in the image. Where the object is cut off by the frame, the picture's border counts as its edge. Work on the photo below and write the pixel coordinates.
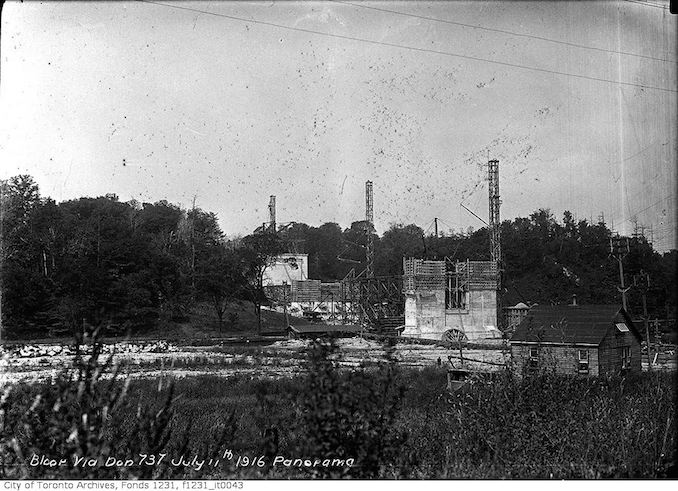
(571, 324)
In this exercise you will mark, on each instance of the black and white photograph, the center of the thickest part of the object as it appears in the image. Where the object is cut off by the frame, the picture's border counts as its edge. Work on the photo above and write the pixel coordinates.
(337, 240)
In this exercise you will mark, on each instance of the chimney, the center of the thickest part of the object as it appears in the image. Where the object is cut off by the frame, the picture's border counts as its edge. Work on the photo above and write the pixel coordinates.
(574, 300)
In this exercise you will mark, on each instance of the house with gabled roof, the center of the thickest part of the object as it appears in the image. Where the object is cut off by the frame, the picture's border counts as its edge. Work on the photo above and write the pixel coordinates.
(577, 339)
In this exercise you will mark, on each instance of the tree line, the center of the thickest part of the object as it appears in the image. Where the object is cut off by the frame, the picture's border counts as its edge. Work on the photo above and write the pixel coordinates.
(130, 265)
(123, 265)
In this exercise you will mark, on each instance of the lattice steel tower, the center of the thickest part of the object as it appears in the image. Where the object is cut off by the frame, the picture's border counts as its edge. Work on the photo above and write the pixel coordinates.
(369, 229)
(271, 214)
(495, 221)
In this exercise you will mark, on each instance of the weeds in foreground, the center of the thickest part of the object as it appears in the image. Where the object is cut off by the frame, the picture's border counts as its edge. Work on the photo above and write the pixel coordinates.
(350, 415)
(565, 427)
(393, 423)
(79, 426)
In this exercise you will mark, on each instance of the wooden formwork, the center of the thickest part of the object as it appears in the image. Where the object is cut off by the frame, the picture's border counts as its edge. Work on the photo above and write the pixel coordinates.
(478, 275)
(422, 274)
(306, 291)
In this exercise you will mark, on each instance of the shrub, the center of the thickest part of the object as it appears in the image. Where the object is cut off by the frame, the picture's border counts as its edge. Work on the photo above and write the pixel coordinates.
(349, 415)
(76, 419)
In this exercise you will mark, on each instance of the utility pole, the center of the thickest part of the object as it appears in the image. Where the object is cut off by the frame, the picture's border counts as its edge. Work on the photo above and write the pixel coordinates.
(619, 248)
(636, 228)
(271, 214)
(435, 222)
(287, 320)
(601, 218)
(369, 229)
(642, 282)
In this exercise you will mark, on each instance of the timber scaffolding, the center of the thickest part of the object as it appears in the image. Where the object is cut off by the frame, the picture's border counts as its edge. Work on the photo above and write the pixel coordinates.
(376, 303)
(421, 274)
(476, 275)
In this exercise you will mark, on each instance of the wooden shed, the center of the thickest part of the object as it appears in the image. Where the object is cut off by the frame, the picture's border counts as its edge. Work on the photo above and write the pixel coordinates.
(577, 339)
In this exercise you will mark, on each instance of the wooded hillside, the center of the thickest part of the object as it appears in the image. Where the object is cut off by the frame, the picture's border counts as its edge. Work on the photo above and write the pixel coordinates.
(131, 265)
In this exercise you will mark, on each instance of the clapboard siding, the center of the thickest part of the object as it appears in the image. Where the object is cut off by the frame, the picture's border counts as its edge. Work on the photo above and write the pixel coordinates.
(611, 352)
(560, 331)
(560, 359)
(605, 359)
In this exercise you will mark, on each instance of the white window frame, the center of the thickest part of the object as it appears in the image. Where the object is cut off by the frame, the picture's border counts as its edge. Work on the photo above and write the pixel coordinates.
(583, 361)
(622, 327)
(533, 357)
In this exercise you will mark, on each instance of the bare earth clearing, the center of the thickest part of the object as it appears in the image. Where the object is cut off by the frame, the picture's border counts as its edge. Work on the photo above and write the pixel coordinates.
(278, 359)
(283, 358)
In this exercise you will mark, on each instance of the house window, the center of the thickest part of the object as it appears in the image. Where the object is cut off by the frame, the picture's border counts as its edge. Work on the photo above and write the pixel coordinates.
(622, 327)
(583, 361)
(626, 357)
(455, 293)
(534, 358)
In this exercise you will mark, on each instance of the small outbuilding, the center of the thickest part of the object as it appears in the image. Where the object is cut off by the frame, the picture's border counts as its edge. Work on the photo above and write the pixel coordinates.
(577, 339)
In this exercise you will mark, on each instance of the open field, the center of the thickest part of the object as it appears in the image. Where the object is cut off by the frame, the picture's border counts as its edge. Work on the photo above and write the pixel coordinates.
(229, 408)
(393, 422)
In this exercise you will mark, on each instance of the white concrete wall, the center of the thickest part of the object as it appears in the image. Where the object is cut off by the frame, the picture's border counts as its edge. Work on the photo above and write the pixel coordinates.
(425, 314)
(479, 321)
(427, 318)
(284, 270)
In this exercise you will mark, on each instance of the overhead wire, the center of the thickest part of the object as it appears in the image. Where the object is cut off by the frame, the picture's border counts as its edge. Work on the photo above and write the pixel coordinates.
(647, 4)
(449, 227)
(651, 206)
(444, 53)
(411, 48)
(614, 218)
(503, 31)
(430, 225)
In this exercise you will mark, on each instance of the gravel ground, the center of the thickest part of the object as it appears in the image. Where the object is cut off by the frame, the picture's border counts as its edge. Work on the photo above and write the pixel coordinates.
(279, 359)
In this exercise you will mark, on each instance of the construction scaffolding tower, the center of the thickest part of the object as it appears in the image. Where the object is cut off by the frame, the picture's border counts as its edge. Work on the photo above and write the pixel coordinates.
(376, 303)
(495, 202)
(271, 214)
(495, 231)
(369, 230)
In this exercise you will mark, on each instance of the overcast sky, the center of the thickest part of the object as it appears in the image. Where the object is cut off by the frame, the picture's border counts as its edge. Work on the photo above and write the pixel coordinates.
(232, 102)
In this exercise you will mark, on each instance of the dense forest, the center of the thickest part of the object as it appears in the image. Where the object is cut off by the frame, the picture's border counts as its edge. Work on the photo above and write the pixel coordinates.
(130, 265)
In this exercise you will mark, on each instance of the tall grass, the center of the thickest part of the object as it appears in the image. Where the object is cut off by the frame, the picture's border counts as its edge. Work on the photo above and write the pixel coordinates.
(566, 427)
(57, 430)
(394, 423)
